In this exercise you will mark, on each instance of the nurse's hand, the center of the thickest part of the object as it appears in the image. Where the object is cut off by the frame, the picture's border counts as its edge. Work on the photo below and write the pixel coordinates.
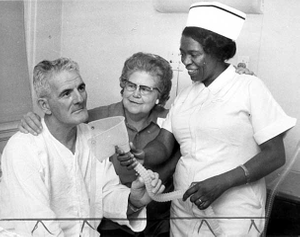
(205, 192)
(129, 159)
(30, 123)
(242, 69)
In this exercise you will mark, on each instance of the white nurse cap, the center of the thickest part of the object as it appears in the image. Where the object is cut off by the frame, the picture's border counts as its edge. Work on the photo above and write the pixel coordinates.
(216, 17)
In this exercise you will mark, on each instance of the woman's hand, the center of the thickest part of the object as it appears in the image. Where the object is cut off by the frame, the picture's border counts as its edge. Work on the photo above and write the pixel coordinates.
(129, 159)
(205, 192)
(30, 123)
(242, 69)
(139, 196)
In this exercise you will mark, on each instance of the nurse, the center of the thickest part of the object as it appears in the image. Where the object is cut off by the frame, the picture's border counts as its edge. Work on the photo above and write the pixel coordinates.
(230, 130)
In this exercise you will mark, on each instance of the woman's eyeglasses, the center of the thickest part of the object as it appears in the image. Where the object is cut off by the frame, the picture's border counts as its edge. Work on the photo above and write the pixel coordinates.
(144, 90)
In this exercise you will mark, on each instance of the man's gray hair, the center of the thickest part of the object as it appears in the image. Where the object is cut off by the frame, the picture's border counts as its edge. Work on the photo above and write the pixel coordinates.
(46, 69)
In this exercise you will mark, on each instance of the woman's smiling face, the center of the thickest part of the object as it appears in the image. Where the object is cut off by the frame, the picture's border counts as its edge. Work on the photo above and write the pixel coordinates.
(193, 57)
(200, 66)
(136, 103)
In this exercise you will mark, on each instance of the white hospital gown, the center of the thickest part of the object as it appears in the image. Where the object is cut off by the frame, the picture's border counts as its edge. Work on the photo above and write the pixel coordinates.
(220, 127)
(44, 179)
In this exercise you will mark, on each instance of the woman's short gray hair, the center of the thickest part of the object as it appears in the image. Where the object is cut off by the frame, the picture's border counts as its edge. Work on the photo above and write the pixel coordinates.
(154, 65)
(44, 71)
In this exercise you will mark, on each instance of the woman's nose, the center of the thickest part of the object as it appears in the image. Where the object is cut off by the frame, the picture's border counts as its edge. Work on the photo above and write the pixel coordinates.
(186, 60)
(137, 91)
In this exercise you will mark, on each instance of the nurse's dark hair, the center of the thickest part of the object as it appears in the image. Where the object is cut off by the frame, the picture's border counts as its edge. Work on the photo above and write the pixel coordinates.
(212, 43)
(154, 65)
(44, 71)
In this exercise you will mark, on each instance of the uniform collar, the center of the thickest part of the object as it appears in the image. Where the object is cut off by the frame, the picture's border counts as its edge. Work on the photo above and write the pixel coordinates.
(222, 80)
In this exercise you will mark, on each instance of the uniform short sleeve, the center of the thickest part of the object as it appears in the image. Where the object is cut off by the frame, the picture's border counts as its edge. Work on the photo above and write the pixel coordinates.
(267, 117)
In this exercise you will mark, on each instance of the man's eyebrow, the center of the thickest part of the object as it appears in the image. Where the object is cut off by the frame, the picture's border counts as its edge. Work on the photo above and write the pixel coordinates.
(64, 91)
(82, 84)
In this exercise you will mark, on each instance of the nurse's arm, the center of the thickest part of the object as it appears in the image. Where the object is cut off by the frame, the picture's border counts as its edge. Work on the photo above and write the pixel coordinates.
(271, 157)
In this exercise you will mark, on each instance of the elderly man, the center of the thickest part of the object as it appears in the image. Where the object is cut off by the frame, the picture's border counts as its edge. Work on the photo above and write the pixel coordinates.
(53, 176)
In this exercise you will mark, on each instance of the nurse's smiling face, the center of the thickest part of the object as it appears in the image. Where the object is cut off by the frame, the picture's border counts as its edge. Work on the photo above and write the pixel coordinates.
(135, 102)
(200, 66)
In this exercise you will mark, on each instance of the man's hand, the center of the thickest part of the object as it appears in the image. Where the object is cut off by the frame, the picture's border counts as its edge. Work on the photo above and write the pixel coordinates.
(30, 123)
(139, 196)
(129, 159)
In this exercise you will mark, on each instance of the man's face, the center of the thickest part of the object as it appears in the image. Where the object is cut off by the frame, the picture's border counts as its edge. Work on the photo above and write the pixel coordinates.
(67, 100)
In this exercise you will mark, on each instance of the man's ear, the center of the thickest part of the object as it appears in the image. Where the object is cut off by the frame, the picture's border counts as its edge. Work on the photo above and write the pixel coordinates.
(44, 105)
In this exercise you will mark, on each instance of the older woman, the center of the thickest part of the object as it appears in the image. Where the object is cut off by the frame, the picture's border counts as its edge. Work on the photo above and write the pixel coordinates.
(146, 84)
(229, 128)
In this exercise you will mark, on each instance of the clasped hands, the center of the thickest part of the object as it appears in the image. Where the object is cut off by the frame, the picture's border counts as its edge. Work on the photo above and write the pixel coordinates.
(202, 193)
(139, 196)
